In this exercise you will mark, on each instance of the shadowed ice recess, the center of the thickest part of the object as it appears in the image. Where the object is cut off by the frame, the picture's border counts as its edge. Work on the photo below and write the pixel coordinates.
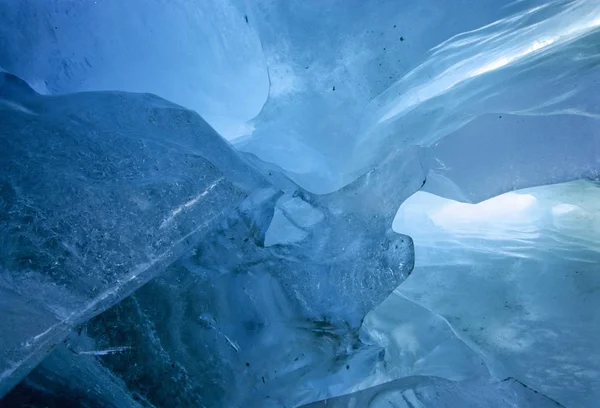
(348, 203)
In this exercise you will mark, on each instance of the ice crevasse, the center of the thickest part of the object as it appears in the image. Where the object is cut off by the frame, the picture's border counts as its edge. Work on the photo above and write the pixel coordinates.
(279, 204)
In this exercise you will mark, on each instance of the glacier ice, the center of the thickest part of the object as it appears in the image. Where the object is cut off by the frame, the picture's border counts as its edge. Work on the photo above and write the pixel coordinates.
(418, 342)
(198, 334)
(162, 47)
(432, 392)
(374, 87)
(98, 195)
(495, 154)
(65, 377)
(146, 262)
(324, 111)
(134, 201)
(516, 278)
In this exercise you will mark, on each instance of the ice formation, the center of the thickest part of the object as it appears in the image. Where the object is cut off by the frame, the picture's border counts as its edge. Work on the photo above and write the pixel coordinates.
(95, 202)
(199, 203)
(200, 54)
(524, 266)
(84, 231)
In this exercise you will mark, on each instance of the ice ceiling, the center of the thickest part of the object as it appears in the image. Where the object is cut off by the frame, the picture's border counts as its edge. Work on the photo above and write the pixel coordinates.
(263, 203)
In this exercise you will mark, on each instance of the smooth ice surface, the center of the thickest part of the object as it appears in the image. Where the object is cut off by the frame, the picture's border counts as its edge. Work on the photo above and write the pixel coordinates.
(496, 153)
(99, 193)
(391, 76)
(516, 278)
(432, 392)
(419, 342)
(326, 92)
(264, 269)
(199, 54)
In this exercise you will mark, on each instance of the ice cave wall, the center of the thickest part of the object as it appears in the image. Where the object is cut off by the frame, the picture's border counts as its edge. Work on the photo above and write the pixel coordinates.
(99, 193)
(515, 278)
(86, 226)
(322, 91)
(341, 112)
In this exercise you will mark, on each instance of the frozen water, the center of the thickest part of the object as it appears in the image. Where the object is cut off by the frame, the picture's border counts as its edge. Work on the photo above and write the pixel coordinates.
(67, 377)
(516, 278)
(420, 342)
(112, 204)
(337, 107)
(99, 193)
(432, 392)
(538, 66)
(263, 270)
(320, 90)
(498, 153)
(328, 111)
(198, 334)
(168, 48)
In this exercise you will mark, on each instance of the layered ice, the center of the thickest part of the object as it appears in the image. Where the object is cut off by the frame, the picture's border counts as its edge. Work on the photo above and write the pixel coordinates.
(432, 392)
(99, 193)
(199, 334)
(154, 265)
(496, 154)
(515, 277)
(389, 77)
(324, 92)
(96, 206)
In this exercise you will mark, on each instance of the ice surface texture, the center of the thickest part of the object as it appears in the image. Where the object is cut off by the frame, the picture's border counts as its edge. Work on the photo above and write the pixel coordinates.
(96, 206)
(99, 193)
(199, 54)
(326, 92)
(432, 392)
(516, 279)
(261, 266)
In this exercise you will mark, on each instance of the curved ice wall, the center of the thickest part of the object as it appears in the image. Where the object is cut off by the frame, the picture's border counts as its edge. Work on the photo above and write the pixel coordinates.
(341, 110)
(323, 91)
(200, 54)
(104, 191)
(513, 278)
